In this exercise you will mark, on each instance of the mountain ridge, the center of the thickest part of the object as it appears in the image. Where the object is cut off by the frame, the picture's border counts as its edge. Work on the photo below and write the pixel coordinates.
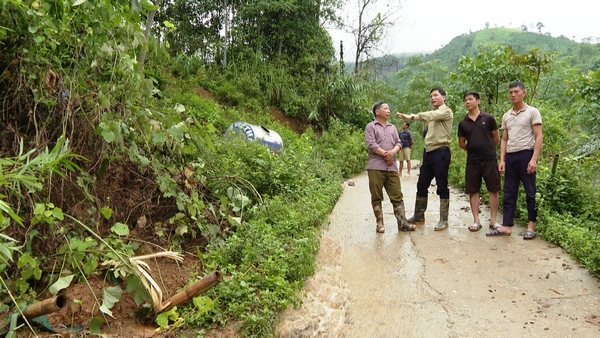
(580, 55)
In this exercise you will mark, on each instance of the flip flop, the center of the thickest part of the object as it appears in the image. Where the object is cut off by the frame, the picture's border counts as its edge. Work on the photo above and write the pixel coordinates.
(529, 235)
(497, 232)
(495, 226)
(475, 227)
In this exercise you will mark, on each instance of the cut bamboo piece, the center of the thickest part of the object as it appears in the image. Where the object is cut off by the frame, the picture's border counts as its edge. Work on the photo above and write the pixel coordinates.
(193, 290)
(45, 307)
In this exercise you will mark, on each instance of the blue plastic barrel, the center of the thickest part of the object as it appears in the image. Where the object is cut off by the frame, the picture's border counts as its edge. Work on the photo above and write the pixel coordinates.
(261, 134)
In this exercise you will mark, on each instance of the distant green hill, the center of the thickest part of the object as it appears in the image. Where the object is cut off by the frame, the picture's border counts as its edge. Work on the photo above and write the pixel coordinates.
(584, 56)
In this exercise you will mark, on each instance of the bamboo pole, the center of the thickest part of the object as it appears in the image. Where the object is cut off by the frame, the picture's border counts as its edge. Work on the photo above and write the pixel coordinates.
(45, 307)
(194, 290)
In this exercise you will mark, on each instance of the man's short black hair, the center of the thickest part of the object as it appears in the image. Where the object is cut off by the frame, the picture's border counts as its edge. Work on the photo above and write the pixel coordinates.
(377, 105)
(407, 124)
(516, 84)
(474, 93)
(439, 89)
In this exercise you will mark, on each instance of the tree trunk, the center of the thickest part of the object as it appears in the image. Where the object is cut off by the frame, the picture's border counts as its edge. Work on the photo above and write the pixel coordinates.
(149, 23)
(226, 44)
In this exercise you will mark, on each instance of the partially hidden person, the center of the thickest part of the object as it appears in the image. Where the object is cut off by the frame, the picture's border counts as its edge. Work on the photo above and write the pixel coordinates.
(407, 140)
(478, 135)
(436, 160)
(520, 148)
(383, 143)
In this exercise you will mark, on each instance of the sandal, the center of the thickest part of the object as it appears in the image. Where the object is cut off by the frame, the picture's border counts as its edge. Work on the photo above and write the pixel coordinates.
(495, 226)
(497, 232)
(529, 234)
(475, 227)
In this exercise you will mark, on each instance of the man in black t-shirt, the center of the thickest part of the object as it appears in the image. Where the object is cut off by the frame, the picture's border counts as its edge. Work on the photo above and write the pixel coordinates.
(478, 135)
(406, 138)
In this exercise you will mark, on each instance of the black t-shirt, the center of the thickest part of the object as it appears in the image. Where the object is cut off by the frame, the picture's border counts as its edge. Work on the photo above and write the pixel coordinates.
(405, 137)
(478, 134)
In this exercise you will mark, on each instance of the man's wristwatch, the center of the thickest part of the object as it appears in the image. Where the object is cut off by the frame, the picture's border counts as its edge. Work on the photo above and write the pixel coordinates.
(412, 117)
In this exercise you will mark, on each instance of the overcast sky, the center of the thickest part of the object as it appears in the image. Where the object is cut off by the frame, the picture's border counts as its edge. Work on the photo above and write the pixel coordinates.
(427, 25)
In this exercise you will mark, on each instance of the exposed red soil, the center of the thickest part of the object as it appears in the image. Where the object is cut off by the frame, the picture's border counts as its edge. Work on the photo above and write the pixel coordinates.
(171, 277)
(295, 124)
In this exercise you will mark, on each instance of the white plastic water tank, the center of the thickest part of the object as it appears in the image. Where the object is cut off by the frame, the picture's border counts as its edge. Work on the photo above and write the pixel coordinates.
(261, 134)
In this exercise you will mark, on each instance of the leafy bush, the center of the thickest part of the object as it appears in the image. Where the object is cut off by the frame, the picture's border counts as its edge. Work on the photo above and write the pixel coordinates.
(202, 109)
(343, 149)
(187, 66)
(456, 173)
(273, 249)
(571, 189)
(579, 238)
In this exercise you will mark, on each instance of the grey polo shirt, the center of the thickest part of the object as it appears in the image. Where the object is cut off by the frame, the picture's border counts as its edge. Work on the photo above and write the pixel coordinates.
(519, 126)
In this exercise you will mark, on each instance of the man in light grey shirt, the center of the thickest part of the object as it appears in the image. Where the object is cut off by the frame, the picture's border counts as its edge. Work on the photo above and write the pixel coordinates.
(520, 147)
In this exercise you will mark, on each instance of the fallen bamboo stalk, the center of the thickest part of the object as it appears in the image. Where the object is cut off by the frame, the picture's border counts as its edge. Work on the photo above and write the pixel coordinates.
(194, 290)
(45, 307)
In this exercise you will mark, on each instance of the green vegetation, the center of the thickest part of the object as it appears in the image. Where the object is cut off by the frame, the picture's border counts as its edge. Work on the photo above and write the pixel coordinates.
(581, 56)
(102, 159)
(584, 56)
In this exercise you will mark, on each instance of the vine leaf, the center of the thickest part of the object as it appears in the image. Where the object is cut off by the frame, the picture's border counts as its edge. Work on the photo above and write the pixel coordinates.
(110, 296)
(120, 229)
(61, 283)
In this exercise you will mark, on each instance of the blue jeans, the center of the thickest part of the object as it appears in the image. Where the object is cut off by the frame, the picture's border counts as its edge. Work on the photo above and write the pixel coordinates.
(435, 164)
(515, 172)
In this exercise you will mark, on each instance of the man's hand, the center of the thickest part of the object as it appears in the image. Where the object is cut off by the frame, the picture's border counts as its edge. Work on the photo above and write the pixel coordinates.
(531, 166)
(403, 116)
(389, 157)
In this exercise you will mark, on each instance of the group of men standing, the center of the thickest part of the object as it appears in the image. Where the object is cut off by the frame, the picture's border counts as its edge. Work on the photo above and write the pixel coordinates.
(520, 147)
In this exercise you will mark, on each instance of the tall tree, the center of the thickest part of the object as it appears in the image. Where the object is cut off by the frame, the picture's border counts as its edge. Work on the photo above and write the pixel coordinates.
(217, 30)
(495, 66)
(418, 78)
(539, 26)
(369, 22)
(198, 24)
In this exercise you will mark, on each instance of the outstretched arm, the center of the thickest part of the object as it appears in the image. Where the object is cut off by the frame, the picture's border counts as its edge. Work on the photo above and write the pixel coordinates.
(408, 117)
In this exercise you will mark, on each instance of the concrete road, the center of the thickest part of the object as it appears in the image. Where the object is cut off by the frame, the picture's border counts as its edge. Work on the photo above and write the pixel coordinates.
(453, 283)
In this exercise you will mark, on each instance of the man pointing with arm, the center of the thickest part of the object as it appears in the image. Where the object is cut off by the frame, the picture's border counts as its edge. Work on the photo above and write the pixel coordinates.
(436, 160)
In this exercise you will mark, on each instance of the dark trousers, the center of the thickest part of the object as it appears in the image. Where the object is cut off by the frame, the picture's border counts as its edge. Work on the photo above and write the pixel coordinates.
(515, 172)
(435, 164)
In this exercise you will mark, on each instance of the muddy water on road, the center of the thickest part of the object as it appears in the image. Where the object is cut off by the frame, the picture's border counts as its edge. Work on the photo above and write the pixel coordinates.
(453, 283)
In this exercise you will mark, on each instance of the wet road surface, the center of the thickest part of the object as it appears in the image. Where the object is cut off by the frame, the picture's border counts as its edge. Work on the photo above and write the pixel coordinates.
(452, 283)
